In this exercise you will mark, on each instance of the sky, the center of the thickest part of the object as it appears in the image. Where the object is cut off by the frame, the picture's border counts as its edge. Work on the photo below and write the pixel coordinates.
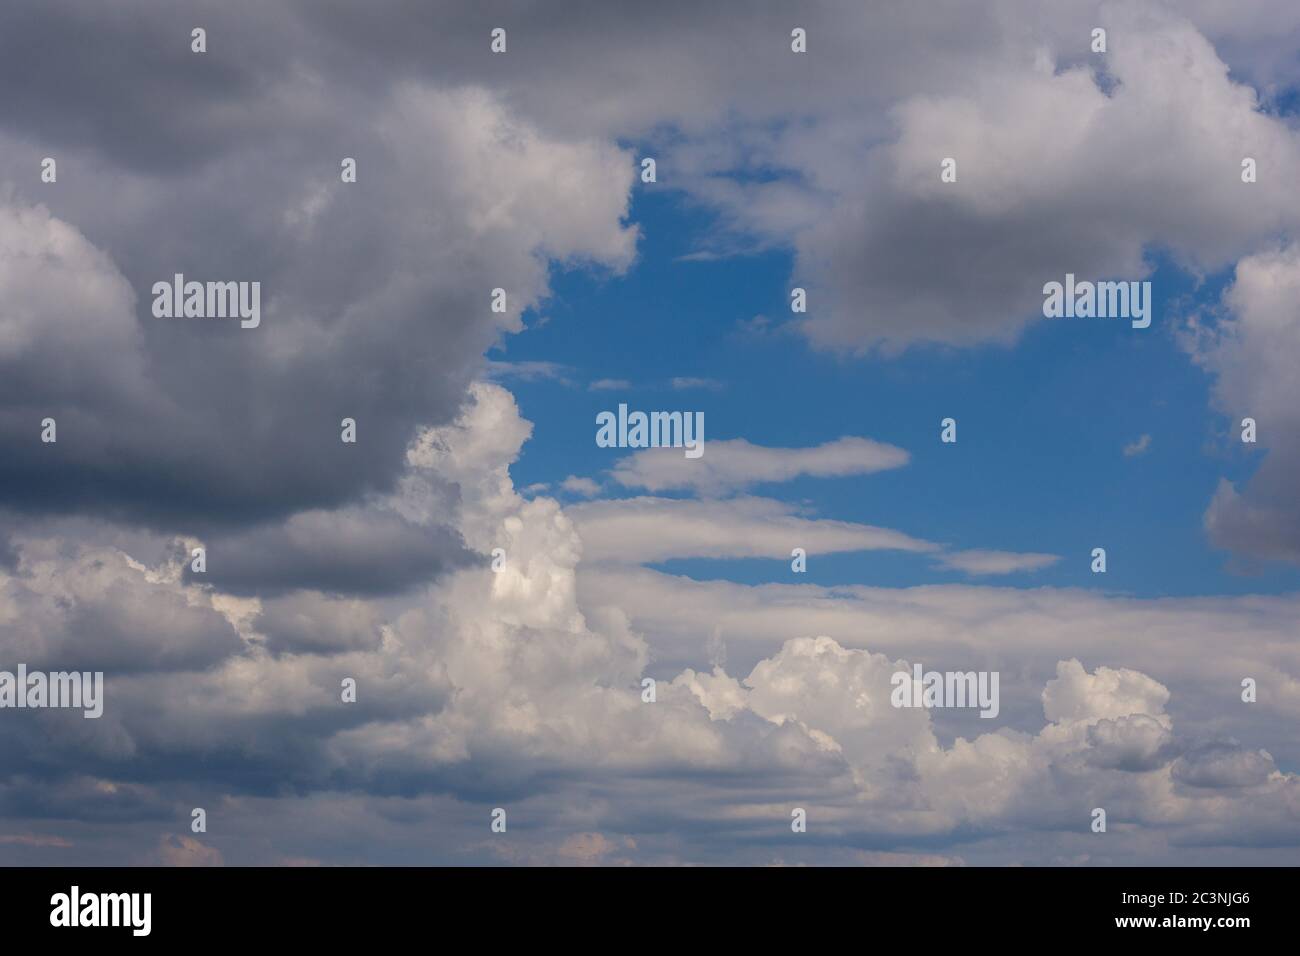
(475, 607)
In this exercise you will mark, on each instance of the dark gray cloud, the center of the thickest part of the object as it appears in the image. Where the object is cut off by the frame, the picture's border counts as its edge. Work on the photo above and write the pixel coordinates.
(226, 166)
(94, 610)
(349, 551)
(1251, 348)
(310, 622)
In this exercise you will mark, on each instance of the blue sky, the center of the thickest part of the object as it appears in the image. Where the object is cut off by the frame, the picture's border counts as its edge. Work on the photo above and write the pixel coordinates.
(1042, 423)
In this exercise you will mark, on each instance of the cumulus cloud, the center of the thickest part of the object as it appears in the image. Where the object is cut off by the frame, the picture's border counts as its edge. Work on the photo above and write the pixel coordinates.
(311, 622)
(524, 684)
(356, 550)
(1222, 765)
(1254, 353)
(1137, 742)
(92, 608)
(194, 422)
(894, 257)
(1035, 627)
(1075, 694)
(493, 682)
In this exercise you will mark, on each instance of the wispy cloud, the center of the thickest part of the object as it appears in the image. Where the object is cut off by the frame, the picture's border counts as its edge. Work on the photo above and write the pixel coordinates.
(585, 487)
(732, 464)
(1137, 447)
(529, 372)
(979, 563)
(638, 530)
(609, 385)
(685, 384)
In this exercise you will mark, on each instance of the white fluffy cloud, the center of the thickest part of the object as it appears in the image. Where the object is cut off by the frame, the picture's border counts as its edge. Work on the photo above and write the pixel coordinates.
(1108, 694)
(1030, 630)
(1067, 162)
(493, 681)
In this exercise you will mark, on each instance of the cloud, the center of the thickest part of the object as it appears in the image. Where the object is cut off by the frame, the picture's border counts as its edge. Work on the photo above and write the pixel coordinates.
(689, 384)
(523, 686)
(355, 550)
(1039, 124)
(529, 372)
(95, 608)
(995, 562)
(735, 463)
(1222, 765)
(1106, 694)
(189, 423)
(587, 849)
(761, 328)
(180, 850)
(25, 839)
(584, 487)
(1254, 354)
(1039, 131)
(1034, 628)
(1136, 742)
(639, 530)
(609, 385)
(1137, 447)
(310, 622)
